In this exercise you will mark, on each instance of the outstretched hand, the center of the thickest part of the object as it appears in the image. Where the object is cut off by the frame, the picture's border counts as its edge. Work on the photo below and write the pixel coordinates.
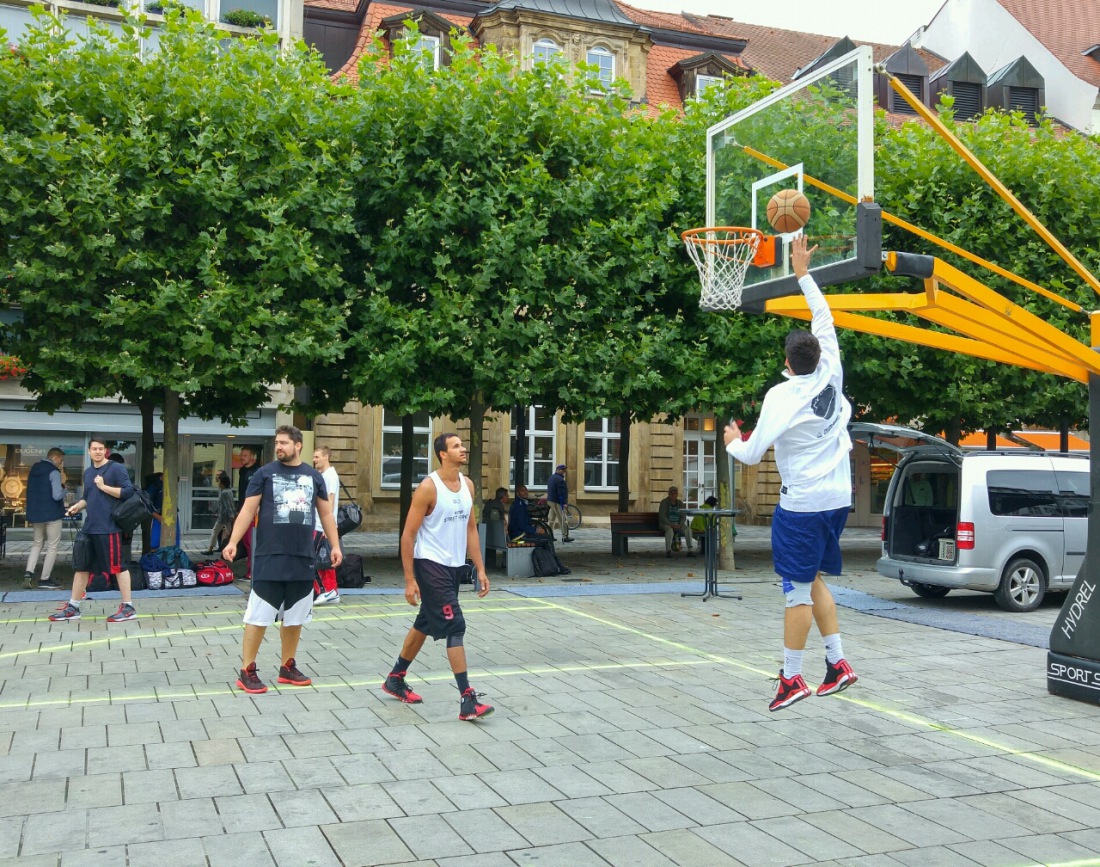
(800, 256)
(732, 432)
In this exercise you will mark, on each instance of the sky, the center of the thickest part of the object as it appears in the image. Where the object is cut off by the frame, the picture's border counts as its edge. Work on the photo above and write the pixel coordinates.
(887, 21)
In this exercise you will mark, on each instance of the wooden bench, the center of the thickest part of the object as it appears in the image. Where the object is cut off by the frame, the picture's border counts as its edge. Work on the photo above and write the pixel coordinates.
(627, 524)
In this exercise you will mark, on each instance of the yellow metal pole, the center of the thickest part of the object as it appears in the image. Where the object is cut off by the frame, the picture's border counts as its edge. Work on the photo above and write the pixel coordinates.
(1004, 192)
(922, 233)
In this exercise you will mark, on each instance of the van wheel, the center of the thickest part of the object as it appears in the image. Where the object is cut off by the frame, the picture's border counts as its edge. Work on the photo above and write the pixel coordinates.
(1022, 586)
(930, 591)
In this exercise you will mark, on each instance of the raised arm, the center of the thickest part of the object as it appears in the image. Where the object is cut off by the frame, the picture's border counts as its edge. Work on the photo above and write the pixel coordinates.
(821, 323)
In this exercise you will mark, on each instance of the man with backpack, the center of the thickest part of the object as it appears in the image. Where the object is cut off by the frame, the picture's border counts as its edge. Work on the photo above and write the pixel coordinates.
(106, 483)
(521, 529)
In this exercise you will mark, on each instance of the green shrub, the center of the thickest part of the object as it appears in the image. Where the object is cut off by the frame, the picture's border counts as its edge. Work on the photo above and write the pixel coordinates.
(246, 18)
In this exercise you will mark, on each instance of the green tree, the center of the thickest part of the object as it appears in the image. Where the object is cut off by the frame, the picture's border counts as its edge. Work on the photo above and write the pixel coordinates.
(173, 220)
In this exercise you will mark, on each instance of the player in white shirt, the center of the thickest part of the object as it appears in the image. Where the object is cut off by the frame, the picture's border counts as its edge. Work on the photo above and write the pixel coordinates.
(806, 419)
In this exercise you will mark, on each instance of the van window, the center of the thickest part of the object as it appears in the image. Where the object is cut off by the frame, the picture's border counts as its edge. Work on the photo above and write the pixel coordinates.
(1022, 493)
(1073, 493)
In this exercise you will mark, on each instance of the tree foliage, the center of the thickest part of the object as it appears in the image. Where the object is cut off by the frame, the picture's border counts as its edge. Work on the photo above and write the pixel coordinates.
(173, 219)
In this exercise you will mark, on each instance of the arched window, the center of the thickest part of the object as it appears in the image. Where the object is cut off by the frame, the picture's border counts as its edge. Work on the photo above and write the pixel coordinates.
(545, 51)
(604, 61)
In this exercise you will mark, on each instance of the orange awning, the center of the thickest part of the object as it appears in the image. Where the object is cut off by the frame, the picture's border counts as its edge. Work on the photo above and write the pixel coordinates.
(1049, 440)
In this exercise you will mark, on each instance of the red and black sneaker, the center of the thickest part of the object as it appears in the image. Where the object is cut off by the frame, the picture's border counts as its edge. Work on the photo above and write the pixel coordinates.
(249, 681)
(789, 691)
(470, 709)
(837, 678)
(289, 673)
(395, 685)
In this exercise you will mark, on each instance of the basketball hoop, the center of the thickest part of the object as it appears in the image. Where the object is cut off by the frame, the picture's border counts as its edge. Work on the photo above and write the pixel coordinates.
(722, 254)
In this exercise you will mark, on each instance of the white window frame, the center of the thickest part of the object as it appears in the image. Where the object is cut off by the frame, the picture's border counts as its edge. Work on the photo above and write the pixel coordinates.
(534, 434)
(596, 56)
(597, 431)
(429, 42)
(391, 424)
(704, 82)
(545, 51)
(700, 471)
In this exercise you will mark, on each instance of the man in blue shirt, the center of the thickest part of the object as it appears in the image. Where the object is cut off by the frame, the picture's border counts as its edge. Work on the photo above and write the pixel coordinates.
(520, 528)
(106, 483)
(557, 495)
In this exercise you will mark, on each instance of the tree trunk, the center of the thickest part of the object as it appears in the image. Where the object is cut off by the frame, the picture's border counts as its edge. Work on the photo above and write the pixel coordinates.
(521, 446)
(171, 467)
(1063, 434)
(726, 478)
(148, 453)
(408, 448)
(476, 447)
(991, 439)
(624, 462)
(953, 431)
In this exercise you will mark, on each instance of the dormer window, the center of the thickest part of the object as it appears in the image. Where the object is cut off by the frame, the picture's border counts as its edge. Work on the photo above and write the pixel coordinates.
(1018, 87)
(545, 51)
(434, 41)
(695, 75)
(604, 61)
(428, 46)
(704, 82)
(964, 81)
(909, 68)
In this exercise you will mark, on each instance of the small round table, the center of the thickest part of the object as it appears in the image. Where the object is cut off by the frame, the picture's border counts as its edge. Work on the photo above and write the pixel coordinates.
(710, 560)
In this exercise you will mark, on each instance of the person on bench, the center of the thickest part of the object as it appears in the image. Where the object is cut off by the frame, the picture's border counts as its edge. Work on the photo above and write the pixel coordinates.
(520, 528)
(673, 522)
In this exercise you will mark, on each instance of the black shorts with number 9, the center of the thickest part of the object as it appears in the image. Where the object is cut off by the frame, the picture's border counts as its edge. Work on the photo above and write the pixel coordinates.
(440, 614)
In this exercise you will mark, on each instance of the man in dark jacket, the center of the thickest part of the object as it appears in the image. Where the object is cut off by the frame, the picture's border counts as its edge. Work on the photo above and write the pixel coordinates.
(520, 528)
(45, 509)
(557, 495)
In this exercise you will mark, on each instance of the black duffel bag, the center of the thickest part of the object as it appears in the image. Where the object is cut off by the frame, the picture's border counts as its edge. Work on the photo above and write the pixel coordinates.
(349, 516)
(130, 513)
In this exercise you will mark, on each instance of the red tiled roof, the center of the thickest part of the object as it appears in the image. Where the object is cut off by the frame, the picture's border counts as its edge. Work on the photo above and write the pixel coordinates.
(662, 20)
(778, 54)
(372, 23)
(341, 5)
(1065, 28)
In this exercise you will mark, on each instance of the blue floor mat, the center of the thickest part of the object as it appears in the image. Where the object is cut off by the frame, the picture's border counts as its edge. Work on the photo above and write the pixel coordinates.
(63, 595)
(938, 618)
(547, 591)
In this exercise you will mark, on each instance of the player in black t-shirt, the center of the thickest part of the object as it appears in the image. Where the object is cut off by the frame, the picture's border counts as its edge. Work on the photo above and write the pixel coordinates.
(285, 494)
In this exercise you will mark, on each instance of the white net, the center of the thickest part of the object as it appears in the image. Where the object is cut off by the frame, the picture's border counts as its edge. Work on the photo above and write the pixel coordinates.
(722, 254)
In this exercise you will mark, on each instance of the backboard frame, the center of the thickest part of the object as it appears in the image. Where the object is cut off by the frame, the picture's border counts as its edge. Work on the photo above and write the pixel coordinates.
(867, 235)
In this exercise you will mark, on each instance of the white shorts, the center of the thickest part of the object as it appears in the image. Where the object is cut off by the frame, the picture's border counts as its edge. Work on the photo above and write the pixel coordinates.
(289, 601)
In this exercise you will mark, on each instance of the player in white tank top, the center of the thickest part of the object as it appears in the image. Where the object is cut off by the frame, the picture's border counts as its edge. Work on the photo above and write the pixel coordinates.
(440, 533)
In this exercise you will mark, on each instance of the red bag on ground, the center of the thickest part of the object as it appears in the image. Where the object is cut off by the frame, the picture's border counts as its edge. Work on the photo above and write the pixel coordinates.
(214, 573)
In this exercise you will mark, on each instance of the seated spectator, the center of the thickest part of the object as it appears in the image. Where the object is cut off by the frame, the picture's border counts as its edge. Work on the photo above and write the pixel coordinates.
(671, 521)
(521, 529)
(497, 506)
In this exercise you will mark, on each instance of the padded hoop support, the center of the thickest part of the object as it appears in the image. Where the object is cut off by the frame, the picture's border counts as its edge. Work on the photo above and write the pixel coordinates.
(913, 265)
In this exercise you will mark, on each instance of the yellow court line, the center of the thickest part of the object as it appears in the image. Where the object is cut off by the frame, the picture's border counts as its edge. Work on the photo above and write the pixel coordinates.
(544, 605)
(76, 645)
(431, 678)
(901, 715)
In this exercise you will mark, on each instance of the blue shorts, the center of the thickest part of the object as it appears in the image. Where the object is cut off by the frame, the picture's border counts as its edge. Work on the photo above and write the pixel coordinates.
(805, 543)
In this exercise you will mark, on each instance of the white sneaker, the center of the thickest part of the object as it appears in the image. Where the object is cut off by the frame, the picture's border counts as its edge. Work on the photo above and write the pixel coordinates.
(329, 597)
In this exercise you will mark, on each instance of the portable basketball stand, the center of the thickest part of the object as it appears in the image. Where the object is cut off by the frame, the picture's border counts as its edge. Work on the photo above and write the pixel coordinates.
(986, 325)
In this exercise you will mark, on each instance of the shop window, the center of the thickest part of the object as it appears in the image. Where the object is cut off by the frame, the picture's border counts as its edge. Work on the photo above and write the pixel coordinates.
(602, 440)
(391, 448)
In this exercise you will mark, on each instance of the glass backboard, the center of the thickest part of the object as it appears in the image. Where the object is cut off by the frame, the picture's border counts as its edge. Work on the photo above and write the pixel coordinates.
(814, 135)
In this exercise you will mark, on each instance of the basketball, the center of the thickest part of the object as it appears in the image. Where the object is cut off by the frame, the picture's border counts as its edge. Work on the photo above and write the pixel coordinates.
(788, 211)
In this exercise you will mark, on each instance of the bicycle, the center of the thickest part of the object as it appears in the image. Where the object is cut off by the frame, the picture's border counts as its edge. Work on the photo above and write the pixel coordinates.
(572, 516)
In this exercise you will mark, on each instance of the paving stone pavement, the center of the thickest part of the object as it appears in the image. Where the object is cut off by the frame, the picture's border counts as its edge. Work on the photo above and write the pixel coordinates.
(630, 729)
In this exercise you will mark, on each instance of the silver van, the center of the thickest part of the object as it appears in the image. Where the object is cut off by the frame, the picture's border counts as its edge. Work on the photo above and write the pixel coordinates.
(1010, 523)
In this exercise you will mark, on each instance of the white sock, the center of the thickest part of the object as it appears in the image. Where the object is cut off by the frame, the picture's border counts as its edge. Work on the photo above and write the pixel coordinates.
(74, 603)
(792, 662)
(833, 651)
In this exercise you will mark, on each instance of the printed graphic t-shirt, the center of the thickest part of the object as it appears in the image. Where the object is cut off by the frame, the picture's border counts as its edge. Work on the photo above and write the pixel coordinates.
(284, 536)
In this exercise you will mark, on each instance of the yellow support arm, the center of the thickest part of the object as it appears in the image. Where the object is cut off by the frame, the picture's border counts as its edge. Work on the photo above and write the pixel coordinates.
(932, 119)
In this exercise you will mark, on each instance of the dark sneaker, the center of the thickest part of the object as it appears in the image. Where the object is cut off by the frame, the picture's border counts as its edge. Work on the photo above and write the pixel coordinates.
(289, 674)
(470, 709)
(395, 685)
(789, 692)
(125, 612)
(69, 612)
(28, 580)
(48, 584)
(249, 681)
(837, 678)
